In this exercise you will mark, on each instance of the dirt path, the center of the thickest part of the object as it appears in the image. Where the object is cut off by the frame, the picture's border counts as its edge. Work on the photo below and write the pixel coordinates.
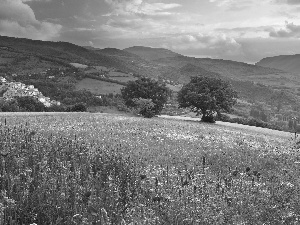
(238, 126)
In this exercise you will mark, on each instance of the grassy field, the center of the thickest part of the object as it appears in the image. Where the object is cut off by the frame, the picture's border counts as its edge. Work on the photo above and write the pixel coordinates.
(123, 77)
(98, 87)
(85, 168)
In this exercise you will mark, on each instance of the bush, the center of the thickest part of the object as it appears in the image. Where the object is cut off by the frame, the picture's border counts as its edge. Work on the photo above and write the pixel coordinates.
(144, 107)
(222, 117)
(208, 119)
(30, 104)
(79, 107)
(56, 108)
(10, 106)
(249, 122)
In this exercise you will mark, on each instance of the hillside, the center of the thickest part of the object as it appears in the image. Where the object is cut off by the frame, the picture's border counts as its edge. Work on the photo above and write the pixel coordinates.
(92, 69)
(157, 62)
(116, 52)
(289, 63)
(25, 55)
(151, 53)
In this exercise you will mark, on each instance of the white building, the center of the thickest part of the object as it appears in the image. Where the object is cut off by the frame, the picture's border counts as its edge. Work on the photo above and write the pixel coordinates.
(17, 89)
(3, 80)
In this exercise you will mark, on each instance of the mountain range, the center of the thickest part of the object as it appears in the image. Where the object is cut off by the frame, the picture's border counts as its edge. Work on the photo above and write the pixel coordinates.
(253, 82)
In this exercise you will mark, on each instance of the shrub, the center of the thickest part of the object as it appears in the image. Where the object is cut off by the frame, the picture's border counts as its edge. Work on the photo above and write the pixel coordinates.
(144, 107)
(10, 106)
(249, 122)
(79, 107)
(208, 119)
(30, 104)
(56, 108)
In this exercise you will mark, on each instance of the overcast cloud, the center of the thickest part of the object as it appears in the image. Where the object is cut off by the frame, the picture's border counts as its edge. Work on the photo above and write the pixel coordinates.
(18, 19)
(242, 30)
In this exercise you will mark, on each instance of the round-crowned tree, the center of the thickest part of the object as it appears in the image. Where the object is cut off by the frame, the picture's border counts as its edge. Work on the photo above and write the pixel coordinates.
(207, 96)
(146, 88)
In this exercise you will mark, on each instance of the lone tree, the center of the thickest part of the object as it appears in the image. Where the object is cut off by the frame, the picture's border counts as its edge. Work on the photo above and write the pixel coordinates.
(146, 88)
(207, 96)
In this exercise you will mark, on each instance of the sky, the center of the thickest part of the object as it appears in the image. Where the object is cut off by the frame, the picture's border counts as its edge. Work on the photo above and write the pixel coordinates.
(240, 30)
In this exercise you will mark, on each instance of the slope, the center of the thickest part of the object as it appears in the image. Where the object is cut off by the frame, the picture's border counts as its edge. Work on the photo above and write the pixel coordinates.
(289, 63)
(151, 53)
(18, 54)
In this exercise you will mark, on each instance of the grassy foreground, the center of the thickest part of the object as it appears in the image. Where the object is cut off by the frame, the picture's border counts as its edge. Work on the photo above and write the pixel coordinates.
(109, 169)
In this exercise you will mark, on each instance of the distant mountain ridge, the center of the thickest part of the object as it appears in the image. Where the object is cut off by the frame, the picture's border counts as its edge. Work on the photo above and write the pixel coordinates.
(289, 63)
(149, 53)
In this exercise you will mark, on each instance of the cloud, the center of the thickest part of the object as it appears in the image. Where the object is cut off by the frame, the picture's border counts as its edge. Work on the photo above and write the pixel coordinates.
(127, 7)
(290, 30)
(36, 0)
(289, 2)
(213, 45)
(239, 5)
(257, 48)
(18, 19)
(233, 4)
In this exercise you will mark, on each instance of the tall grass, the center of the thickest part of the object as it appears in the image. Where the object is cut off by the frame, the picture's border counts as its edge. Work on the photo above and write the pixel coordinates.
(56, 180)
(92, 169)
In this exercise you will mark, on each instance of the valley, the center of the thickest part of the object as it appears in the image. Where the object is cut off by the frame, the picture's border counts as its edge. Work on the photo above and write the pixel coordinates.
(104, 72)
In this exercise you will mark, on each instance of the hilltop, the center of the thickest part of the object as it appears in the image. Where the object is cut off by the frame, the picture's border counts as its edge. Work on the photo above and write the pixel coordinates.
(289, 63)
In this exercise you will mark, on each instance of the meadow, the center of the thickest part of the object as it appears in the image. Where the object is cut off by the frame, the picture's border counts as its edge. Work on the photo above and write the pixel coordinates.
(83, 168)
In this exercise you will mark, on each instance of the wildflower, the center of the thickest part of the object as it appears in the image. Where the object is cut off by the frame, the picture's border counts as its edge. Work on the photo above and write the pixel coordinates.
(179, 193)
(156, 182)
(143, 176)
(228, 200)
(156, 199)
(248, 169)
(185, 183)
(32, 133)
(257, 174)
(123, 222)
(105, 216)
(77, 215)
(4, 154)
(235, 172)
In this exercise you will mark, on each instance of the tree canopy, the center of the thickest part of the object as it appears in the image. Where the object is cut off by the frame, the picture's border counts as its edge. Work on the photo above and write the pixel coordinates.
(281, 99)
(146, 88)
(207, 96)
